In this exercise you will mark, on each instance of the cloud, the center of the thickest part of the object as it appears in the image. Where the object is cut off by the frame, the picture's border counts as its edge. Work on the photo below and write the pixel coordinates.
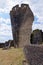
(4, 10)
(38, 20)
(5, 38)
(37, 26)
(6, 5)
(37, 8)
(35, 5)
(5, 23)
(5, 30)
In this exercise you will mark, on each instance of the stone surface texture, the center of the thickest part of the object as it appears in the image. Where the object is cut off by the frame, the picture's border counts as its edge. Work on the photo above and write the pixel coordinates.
(21, 21)
(34, 54)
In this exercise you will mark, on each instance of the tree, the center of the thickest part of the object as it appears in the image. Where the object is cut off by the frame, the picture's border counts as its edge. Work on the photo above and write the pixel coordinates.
(36, 37)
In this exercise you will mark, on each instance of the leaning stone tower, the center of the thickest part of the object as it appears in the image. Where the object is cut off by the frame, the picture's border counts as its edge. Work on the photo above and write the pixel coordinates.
(21, 21)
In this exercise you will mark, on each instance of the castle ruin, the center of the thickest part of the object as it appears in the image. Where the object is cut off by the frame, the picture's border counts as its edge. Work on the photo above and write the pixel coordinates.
(21, 21)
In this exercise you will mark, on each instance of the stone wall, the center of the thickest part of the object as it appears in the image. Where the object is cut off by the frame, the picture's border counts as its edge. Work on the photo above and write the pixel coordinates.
(34, 54)
(21, 21)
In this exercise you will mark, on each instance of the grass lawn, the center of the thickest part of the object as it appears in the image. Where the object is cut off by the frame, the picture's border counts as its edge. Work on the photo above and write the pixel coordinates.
(11, 56)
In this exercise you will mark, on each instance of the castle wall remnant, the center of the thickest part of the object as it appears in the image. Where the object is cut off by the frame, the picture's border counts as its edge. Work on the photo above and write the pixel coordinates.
(34, 54)
(21, 21)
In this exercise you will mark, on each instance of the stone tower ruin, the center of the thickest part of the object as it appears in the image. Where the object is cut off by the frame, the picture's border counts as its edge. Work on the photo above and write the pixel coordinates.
(21, 21)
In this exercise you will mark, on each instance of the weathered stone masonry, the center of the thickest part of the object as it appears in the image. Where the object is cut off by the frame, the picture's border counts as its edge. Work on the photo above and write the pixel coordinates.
(21, 21)
(34, 54)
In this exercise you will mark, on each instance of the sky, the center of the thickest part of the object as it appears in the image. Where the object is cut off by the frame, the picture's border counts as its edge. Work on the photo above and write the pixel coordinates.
(5, 22)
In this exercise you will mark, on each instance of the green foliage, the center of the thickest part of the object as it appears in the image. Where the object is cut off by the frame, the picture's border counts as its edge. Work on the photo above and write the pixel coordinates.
(36, 37)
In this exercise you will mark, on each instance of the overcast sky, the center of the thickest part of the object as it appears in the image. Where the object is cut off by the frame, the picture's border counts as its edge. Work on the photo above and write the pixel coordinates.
(5, 23)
